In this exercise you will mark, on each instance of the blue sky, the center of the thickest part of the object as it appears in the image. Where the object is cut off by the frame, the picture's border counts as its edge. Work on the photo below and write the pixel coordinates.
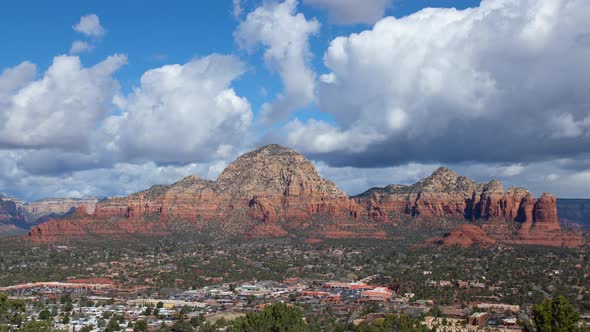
(372, 91)
(152, 34)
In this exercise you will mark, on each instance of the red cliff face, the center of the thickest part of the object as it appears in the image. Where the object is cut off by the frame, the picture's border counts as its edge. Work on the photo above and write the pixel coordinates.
(464, 236)
(446, 195)
(545, 213)
(261, 193)
(273, 190)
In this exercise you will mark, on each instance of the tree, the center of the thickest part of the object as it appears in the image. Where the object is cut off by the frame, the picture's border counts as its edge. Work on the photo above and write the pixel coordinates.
(65, 298)
(555, 315)
(197, 320)
(44, 314)
(141, 326)
(435, 311)
(68, 306)
(148, 311)
(277, 317)
(37, 326)
(182, 326)
(164, 327)
(113, 325)
(160, 305)
(87, 328)
(11, 311)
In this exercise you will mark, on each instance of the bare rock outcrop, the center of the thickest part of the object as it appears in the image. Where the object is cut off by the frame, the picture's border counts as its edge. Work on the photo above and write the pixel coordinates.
(260, 193)
(274, 191)
(464, 236)
(446, 195)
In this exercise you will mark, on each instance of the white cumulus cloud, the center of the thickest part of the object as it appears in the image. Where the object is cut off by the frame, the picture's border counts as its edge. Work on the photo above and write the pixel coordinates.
(89, 25)
(284, 34)
(62, 109)
(505, 82)
(183, 113)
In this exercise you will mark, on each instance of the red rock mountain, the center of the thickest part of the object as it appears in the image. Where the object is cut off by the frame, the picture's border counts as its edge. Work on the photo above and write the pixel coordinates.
(259, 194)
(445, 195)
(274, 191)
(464, 236)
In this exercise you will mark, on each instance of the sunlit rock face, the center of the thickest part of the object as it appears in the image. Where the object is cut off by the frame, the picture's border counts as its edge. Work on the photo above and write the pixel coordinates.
(273, 191)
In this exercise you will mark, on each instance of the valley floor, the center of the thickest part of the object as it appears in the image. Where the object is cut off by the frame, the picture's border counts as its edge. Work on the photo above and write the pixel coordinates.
(336, 283)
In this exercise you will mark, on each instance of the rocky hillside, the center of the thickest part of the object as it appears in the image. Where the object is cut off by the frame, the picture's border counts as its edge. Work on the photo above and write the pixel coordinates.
(513, 215)
(265, 192)
(57, 206)
(445, 194)
(274, 191)
(11, 218)
(464, 236)
(19, 217)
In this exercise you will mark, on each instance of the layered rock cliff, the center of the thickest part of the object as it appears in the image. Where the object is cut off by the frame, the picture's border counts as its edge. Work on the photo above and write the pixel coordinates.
(18, 217)
(512, 216)
(11, 217)
(445, 194)
(260, 194)
(57, 206)
(274, 191)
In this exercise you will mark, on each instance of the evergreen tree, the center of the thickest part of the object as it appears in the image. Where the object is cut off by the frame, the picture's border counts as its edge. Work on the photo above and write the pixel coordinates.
(44, 314)
(11, 311)
(113, 325)
(37, 326)
(182, 326)
(277, 317)
(141, 326)
(555, 315)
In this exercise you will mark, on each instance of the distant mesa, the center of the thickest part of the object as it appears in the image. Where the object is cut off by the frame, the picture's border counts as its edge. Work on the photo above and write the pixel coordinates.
(273, 191)
(18, 217)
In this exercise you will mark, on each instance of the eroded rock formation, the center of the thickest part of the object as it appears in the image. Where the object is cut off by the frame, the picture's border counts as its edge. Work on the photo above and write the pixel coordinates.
(57, 206)
(274, 191)
(464, 236)
(260, 193)
(512, 216)
(11, 217)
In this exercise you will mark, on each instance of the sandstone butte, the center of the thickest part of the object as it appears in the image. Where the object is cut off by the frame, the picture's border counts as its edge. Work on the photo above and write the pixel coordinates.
(274, 191)
(466, 235)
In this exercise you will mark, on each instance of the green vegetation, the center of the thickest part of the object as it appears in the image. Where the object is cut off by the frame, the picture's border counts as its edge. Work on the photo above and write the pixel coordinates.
(37, 326)
(12, 318)
(278, 317)
(556, 315)
(11, 311)
(401, 323)
(523, 275)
